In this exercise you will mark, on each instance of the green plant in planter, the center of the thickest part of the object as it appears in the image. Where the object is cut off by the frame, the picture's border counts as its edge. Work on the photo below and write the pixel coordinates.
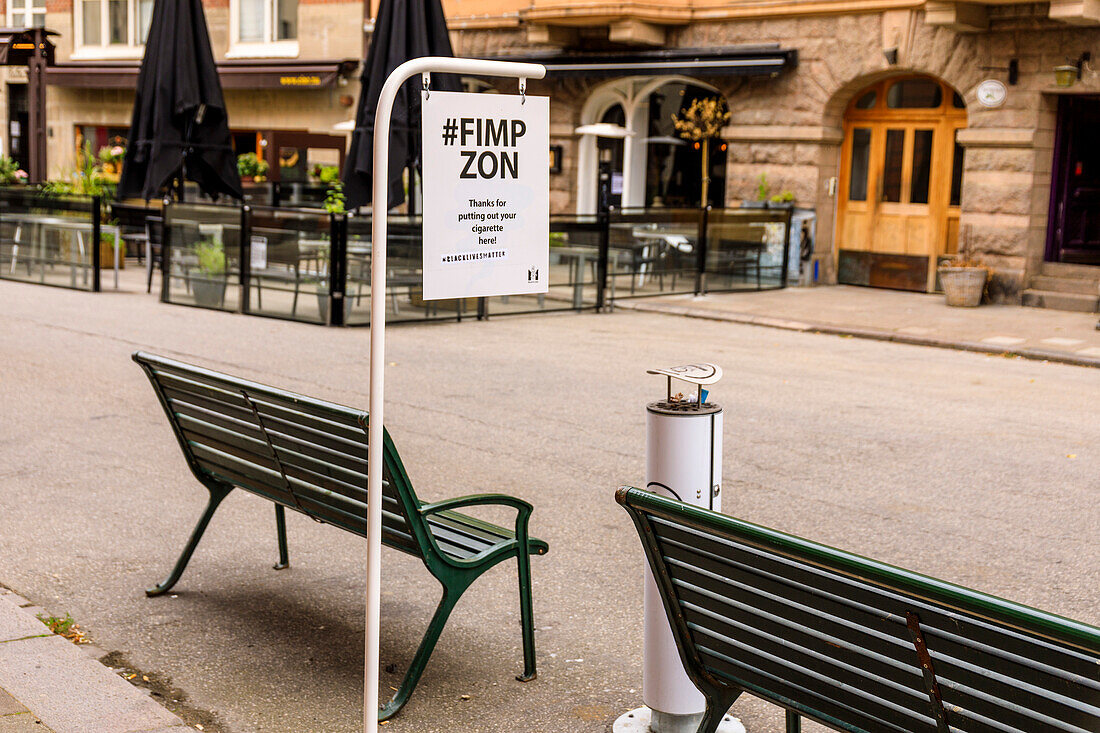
(784, 197)
(211, 256)
(10, 172)
(763, 188)
(335, 200)
(251, 166)
(326, 174)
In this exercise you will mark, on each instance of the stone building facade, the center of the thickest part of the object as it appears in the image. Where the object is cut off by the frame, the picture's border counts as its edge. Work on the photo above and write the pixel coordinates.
(286, 92)
(914, 130)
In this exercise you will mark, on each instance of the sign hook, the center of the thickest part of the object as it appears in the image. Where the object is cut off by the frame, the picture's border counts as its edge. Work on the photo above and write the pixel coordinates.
(425, 79)
(523, 90)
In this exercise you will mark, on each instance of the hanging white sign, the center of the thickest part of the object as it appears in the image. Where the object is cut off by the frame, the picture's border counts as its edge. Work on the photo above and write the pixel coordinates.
(486, 183)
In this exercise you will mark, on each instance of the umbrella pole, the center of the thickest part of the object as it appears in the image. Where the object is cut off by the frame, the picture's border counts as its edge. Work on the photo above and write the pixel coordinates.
(379, 234)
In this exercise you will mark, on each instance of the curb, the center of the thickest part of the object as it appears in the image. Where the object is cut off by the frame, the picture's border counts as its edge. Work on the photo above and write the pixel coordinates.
(872, 334)
(64, 686)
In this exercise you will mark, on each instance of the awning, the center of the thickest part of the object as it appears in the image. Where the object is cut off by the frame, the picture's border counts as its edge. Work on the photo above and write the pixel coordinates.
(760, 60)
(17, 45)
(233, 74)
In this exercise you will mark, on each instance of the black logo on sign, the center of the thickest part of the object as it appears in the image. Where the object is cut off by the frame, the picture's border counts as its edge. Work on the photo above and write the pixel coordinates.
(532, 274)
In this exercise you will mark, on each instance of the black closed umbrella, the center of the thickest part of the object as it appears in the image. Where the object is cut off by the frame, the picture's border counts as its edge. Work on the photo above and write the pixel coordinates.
(403, 30)
(179, 124)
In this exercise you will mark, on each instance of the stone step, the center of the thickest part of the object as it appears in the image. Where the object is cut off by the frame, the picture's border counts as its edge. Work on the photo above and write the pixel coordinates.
(1061, 301)
(1061, 269)
(1077, 285)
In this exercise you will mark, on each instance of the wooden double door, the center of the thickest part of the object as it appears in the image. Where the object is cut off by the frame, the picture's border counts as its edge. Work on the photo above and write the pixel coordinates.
(900, 183)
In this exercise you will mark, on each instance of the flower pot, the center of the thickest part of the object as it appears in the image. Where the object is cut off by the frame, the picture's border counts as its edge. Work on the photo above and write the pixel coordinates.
(963, 286)
(107, 254)
(208, 293)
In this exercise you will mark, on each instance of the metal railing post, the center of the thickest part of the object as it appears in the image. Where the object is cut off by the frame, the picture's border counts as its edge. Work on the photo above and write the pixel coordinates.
(337, 268)
(603, 221)
(97, 203)
(786, 243)
(246, 259)
(165, 249)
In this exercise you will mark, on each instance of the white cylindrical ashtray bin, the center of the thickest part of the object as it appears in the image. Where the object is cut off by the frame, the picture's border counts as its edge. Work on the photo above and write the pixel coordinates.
(684, 462)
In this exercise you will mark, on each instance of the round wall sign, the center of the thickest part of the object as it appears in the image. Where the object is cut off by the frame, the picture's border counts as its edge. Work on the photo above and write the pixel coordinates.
(992, 93)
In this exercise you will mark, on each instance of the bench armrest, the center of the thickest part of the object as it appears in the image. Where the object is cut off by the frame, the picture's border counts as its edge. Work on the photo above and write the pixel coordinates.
(523, 510)
(458, 502)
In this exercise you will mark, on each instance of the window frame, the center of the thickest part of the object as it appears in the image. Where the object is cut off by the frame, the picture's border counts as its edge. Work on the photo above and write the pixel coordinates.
(266, 48)
(129, 50)
(11, 13)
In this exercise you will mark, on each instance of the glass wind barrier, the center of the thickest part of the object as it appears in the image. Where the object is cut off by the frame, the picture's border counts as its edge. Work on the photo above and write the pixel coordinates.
(51, 240)
(404, 276)
(573, 275)
(653, 252)
(746, 249)
(202, 248)
(289, 264)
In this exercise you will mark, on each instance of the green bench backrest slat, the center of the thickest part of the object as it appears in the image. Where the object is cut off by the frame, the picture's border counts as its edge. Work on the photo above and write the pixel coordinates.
(305, 454)
(795, 621)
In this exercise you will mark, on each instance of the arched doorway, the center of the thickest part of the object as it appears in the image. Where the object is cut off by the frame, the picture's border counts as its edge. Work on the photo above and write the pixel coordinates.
(900, 183)
(652, 166)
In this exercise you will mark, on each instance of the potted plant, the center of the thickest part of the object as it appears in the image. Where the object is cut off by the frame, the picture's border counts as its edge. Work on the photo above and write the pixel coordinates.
(701, 123)
(111, 160)
(209, 287)
(766, 200)
(252, 168)
(10, 172)
(325, 174)
(964, 281)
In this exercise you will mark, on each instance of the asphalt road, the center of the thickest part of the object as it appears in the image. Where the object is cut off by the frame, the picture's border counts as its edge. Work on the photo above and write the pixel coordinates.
(980, 470)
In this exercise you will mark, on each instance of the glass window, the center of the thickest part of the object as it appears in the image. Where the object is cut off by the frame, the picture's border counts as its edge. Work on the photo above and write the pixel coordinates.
(957, 172)
(891, 165)
(145, 19)
(867, 101)
(251, 20)
(861, 159)
(114, 22)
(27, 13)
(957, 101)
(914, 93)
(117, 23)
(266, 21)
(92, 17)
(286, 27)
(922, 166)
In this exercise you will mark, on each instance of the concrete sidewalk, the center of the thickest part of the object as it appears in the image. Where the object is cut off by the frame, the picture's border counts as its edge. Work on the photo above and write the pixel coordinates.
(889, 315)
(48, 684)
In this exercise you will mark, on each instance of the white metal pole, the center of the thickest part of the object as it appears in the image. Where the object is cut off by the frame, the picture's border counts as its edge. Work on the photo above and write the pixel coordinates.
(379, 211)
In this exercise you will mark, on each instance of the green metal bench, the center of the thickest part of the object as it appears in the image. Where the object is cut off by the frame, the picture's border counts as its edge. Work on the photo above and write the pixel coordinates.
(311, 456)
(855, 644)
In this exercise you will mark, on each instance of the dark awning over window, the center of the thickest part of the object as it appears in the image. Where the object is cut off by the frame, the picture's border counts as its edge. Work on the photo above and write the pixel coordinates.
(233, 74)
(762, 60)
(17, 45)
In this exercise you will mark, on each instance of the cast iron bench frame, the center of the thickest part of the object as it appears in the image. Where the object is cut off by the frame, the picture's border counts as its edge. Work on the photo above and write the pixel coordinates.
(311, 456)
(855, 644)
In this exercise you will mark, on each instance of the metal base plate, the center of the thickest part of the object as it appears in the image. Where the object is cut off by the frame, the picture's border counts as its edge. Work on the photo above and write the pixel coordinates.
(637, 721)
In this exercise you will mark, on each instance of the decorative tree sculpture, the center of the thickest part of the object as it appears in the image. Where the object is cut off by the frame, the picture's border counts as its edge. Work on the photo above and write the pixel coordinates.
(701, 123)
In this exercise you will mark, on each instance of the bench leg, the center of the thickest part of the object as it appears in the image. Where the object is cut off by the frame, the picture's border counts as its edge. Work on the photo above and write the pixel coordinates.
(216, 496)
(794, 722)
(280, 531)
(526, 614)
(420, 659)
(715, 711)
